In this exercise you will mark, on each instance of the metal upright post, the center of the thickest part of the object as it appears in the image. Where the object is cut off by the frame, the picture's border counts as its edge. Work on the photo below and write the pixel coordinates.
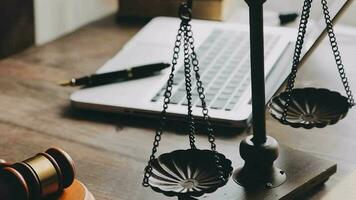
(259, 151)
(257, 71)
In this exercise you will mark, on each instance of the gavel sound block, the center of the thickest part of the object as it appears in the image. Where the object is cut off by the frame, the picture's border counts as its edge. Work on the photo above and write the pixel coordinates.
(76, 191)
(49, 175)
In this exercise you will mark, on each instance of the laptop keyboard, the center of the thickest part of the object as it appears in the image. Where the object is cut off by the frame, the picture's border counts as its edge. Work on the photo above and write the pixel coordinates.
(224, 69)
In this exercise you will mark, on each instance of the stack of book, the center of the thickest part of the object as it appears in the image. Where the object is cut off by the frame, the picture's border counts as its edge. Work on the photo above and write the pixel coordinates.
(202, 9)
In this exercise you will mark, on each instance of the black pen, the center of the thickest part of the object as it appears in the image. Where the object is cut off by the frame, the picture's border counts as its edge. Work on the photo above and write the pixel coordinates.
(116, 76)
(286, 18)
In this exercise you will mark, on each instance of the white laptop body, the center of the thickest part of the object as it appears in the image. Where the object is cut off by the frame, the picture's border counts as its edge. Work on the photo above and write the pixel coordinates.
(154, 43)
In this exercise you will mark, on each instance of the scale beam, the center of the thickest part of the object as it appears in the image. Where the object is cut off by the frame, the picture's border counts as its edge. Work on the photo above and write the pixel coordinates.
(259, 151)
(257, 71)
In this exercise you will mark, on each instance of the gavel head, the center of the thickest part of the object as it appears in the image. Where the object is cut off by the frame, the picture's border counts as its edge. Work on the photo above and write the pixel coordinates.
(37, 177)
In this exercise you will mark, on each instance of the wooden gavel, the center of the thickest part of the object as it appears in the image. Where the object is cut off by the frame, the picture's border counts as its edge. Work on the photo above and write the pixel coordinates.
(37, 177)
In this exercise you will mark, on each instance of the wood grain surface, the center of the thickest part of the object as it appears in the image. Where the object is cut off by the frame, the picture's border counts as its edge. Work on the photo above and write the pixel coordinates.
(111, 150)
(345, 190)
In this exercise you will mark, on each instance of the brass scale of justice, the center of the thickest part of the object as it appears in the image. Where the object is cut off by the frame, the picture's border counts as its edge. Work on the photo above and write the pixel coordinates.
(194, 172)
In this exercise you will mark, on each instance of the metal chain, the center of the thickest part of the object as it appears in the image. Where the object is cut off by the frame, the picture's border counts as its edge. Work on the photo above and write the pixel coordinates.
(167, 96)
(190, 57)
(296, 57)
(200, 90)
(188, 86)
(336, 52)
(298, 49)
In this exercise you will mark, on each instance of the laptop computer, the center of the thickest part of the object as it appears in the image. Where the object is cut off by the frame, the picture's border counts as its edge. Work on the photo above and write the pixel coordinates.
(223, 52)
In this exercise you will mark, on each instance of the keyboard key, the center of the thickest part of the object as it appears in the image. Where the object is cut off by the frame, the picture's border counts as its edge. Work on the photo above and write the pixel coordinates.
(198, 104)
(225, 96)
(194, 92)
(229, 89)
(219, 83)
(155, 98)
(238, 76)
(224, 64)
(208, 98)
(194, 99)
(235, 81)
(218, 104)
(213, 90)
(222, 77)
(177, 97)
(230, 106)
(235, 98)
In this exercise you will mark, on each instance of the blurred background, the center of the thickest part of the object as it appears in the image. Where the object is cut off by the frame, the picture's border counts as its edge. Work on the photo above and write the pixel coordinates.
(24, 23)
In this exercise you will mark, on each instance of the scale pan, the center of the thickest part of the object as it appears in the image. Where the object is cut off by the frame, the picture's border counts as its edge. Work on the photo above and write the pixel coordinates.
(310, 107)
(189, 172)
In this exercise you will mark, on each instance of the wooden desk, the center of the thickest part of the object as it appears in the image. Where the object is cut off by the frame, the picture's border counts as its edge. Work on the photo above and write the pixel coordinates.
(111, 150)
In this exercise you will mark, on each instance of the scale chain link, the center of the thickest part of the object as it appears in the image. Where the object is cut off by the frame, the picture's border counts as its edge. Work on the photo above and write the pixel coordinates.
(298, 51)
(167, 95)
(190, 58)
(336, 52)
(188, 85)
(296, 57)
(200, 90)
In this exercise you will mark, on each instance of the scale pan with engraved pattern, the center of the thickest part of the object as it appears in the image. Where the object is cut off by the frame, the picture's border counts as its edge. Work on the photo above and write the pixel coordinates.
(310, 107)
(191, 172)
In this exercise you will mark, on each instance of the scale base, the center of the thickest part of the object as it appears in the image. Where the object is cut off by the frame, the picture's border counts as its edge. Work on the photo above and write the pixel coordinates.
(252, 179)
(303, 170)
(259, 169)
